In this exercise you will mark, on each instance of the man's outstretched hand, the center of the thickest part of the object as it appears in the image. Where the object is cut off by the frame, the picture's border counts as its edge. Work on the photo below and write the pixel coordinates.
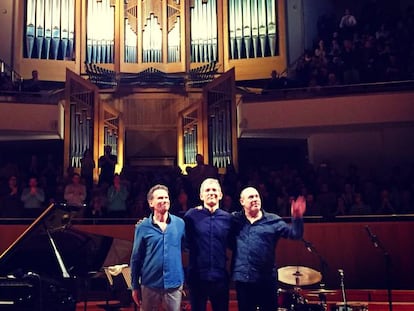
(298, 207)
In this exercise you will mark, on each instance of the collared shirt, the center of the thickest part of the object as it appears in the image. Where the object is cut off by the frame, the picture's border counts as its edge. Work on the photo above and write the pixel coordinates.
(156, 255)
(207, 237)
(33, 200)
(254, 256)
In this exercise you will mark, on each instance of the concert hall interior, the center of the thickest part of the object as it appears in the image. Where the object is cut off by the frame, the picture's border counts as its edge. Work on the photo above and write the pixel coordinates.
(295, 97)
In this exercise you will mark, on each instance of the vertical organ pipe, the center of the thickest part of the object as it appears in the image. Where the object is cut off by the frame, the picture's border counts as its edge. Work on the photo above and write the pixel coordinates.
(247, 27)
(255, 27)
(71, 29)
(40, 27)
(271, 21)
(232, 28)
(239, 27)
(262, 26)
(65, 28)
(48, 27)
(30, 26)
(214, 29)
(55, 29)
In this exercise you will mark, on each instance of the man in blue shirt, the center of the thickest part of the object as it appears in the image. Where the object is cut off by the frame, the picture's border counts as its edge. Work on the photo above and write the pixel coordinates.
(156, 265)
(207, 233)
(257, 233)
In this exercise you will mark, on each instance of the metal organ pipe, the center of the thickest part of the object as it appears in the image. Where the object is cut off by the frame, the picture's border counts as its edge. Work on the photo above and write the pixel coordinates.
(203, 31)
(252, 28)
(100, 32)
(49, 29)
(30, 26)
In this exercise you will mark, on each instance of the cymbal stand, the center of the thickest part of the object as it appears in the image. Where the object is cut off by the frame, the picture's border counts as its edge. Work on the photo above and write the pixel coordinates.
(324, 265)
(341, 273)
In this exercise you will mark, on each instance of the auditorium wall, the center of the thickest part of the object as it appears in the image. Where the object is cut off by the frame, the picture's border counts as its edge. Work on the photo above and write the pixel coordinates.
(374, 131)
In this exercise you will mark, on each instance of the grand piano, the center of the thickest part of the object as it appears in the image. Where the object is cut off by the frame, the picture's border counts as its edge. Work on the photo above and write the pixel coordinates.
(44, 267)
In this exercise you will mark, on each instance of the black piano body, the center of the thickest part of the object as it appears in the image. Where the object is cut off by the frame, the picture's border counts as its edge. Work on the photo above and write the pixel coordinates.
(44, 266)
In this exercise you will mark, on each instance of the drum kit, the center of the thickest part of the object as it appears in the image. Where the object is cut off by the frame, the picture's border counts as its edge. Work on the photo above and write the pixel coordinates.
(293, 300)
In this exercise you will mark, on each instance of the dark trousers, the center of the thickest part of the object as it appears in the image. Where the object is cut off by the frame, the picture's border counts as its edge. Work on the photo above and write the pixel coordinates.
(215, 291)
(261, 294)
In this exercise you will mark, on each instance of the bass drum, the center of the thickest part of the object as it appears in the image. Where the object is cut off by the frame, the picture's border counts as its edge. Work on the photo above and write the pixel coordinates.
(304, 307)
(288, 299)
(351, 307)
(309, 307)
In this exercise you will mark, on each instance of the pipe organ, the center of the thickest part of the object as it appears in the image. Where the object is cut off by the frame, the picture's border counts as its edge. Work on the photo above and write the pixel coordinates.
(154, 31)
(50, 29)
(100, 33)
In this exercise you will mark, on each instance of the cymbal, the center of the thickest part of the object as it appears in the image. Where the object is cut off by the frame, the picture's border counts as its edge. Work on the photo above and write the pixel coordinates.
(298, 275)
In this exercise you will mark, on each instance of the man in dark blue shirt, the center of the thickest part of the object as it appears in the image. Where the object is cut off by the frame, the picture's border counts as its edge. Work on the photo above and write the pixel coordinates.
(257, 233)
(156, 264)
(207, 233)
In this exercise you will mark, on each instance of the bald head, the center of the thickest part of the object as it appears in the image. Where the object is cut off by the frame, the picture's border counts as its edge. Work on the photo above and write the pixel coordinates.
(250, 201)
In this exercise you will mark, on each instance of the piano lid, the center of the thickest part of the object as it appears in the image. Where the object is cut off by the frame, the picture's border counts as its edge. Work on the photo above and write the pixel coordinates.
(51, 247)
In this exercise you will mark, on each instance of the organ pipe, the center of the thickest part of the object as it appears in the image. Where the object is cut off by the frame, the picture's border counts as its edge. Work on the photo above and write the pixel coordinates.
(252, 28)
(49, 28)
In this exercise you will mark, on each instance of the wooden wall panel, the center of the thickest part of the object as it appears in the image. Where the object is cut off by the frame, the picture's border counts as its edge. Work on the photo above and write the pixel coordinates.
(342, 245)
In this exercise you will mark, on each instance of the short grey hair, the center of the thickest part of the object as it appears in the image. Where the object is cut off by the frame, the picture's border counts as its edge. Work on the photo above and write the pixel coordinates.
(208, 181)
(150, 194)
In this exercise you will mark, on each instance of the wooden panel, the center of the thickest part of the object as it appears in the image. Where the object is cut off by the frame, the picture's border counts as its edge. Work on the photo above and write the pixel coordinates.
(342, 245)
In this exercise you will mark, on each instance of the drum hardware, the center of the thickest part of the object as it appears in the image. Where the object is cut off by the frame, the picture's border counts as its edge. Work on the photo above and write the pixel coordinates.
(341, 273)
(320, 292)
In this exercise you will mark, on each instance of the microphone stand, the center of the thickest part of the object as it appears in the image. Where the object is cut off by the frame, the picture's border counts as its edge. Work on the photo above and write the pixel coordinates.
(377, 244)
(341, 273)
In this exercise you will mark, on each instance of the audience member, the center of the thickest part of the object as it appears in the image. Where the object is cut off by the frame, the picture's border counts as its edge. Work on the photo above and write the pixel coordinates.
(33, 84)
(386, 206)
(33, 198)
(116, 198)
(10, 202)
(87, 168)
(97, 205)
(75, 194)
(347, 25)
(181, 204)
(359, 207)
(107, 164)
